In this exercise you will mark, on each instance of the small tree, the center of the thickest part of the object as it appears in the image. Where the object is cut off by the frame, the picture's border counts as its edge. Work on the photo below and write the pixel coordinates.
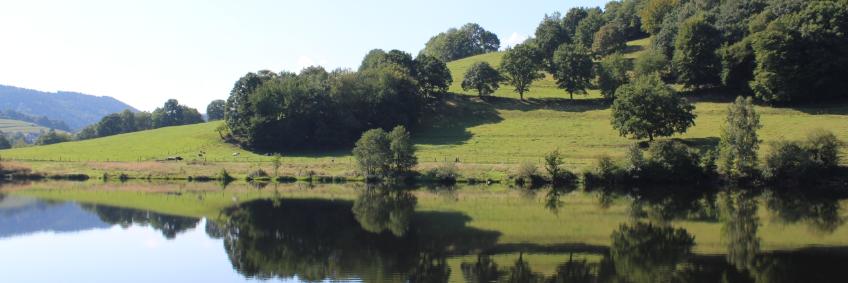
(372, 153)
(572, 68)
(648, 108)
(277, 162)
(402, 150)
(432, 74)
(553, 161)
(521, 65)
(739, 142)
(612, 73)
(482, 78)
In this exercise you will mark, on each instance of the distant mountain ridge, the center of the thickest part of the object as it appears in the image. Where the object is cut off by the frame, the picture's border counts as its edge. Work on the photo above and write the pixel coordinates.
(77, 110)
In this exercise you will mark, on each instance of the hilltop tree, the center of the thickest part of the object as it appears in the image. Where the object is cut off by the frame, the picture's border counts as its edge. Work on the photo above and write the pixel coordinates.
(482, 78)
(432, 74)
(174, 114)
(739, 142)
(695, 60)
(111, 124)
(653, 12)
(612, 73)
(549, 35)
(128, 123)
(572, 19)
(215, 109)
(471, 39)
(4, 142)
(52, 137)
(648, 108)
(521, 66)
(572, 68)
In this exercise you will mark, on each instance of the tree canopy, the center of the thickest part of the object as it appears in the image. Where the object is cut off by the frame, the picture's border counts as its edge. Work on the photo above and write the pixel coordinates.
(469, 40)
(573, 68)
(521, 65)
(648, 108)
(482, 78)
(215, 110)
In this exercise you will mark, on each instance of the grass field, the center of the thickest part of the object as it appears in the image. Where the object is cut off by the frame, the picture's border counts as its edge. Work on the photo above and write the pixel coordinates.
(497, 132)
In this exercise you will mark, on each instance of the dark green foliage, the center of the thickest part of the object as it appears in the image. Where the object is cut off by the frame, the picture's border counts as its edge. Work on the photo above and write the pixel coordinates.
(557, 174)
(317, 109)
(52, 137)
(810, 161)
(803, 56)
(377, 58)
(215, 110)
(586, 29)
(737, 65)
(609, 39)
(734, 15)
(674, 162)
(625, 14)
(572, 68)
(648, 108)
(380, 209)
(258, 175)
(118, 123)
(445, 173)
(432, 74)
(613, 72)
(571, 20)
(174, 114)
(381, 154)
(4, 142)
(469, 40)
(739, 142)
(112, 124)
(695, 61)
(550, 34)
(521, 65)
(482, 78)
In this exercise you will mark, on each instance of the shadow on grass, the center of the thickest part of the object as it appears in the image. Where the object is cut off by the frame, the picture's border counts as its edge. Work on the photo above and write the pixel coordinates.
(555, 104)
(701, 143)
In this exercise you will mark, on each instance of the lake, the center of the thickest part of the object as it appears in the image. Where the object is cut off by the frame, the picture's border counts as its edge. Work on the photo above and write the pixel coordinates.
(204, 232)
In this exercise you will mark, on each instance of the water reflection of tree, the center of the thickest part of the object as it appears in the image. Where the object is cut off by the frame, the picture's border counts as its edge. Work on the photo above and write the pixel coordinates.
(643, 252)
(554, 195)
(818, 209)
(739, 227)
(483, 270)
(317, 239)
(664, 204)
(169, 225)
(380, 209)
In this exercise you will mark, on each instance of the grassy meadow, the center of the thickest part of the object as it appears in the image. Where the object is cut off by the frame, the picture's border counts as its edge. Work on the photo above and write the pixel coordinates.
(15, 126)
(488, 136)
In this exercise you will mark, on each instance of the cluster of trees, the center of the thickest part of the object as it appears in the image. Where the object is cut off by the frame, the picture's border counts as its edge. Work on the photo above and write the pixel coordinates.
(320, 109)
(170, 114)
(4, 142)
(782, 51)
(469, 40)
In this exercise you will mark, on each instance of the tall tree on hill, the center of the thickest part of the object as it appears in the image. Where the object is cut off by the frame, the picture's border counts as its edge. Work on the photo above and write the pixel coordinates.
(521, 66)
(609, 39)
(471, 39)
(128, 123)
(174, 114)
(739, 142)
(585, 32)
(648, 108)
(432, 74)
(572, 68)
(215, 109)
(111, 124)
(549, 35)
(482, 78)
(572, 20)
(695, 60)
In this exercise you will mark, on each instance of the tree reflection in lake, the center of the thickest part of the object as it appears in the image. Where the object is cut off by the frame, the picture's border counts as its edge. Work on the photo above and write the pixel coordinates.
(644, 252)
(817, 209)
(377, 237)
(739, 228)
(169, 225)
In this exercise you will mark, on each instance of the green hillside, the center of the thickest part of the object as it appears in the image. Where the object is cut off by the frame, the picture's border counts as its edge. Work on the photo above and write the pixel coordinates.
(496, 130)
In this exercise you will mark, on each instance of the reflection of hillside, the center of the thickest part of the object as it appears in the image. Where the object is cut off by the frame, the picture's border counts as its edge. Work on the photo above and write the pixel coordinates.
(324, 239)
(169, 225)
(24, 215)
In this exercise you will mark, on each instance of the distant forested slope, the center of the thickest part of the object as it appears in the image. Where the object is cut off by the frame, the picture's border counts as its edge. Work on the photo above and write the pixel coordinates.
(77, 110)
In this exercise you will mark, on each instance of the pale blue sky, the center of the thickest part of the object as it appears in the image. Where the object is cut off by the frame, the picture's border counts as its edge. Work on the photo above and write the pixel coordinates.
(144, 52)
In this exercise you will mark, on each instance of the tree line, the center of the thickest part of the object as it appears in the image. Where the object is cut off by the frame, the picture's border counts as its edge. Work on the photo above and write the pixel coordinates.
(317, 109)
(170, 114)
(39, 120)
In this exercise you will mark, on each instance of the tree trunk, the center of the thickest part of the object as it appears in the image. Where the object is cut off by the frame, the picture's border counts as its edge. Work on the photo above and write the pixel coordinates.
(521, 94)
(650, 137)
(571, 95)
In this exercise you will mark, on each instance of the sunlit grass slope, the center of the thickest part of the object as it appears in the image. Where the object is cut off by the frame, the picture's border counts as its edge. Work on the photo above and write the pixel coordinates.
(496, 130)
(15, 126)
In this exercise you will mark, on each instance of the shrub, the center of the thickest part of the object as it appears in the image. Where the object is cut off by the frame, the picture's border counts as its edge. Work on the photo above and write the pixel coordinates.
(553, 165)
(824, 148)
(444, 173)
(605, 172)
(672, 161)
(258, 174)
(225, 176)
(528, 174)
(788, 160)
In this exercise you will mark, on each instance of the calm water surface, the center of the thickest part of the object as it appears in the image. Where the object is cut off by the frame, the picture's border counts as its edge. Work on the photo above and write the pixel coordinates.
(93, 232)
